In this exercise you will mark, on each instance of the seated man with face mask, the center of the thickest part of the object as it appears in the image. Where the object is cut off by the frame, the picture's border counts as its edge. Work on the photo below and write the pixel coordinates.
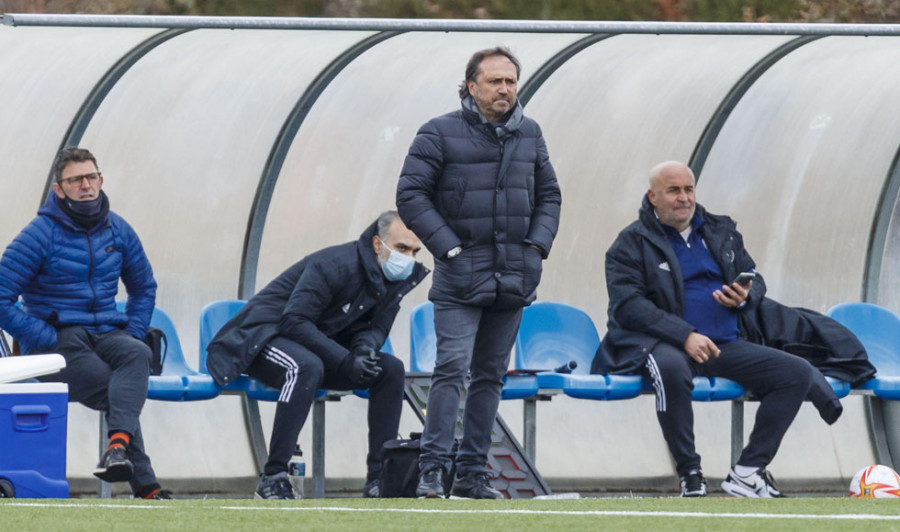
(320, 324)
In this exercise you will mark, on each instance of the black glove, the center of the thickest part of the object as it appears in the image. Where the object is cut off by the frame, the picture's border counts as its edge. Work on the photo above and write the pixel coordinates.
(361, 366)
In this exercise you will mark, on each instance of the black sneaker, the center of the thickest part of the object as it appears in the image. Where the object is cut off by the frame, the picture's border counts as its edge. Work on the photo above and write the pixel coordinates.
(756, 485)
(372, 489)
(475, 485)
(274, 487)
(693, 484)
(431, 484)
(162, 495)
(156, 495)
(114, 466)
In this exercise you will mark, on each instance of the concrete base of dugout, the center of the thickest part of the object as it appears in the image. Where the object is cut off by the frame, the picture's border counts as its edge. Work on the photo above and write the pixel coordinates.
(242, 487)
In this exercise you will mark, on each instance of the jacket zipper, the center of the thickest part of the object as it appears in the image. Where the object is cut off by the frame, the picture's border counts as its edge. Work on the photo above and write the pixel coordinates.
(91, 275)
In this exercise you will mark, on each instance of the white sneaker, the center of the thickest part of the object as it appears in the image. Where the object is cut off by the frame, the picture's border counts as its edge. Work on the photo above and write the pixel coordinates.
(756, 485)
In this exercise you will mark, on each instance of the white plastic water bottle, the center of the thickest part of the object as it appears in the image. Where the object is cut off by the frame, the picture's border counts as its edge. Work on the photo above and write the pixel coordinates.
(297, 471)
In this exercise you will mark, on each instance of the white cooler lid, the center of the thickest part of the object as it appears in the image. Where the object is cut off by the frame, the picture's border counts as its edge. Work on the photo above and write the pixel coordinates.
(16, 368)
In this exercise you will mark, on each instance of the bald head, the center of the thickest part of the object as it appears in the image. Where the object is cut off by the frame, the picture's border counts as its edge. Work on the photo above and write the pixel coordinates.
(668, 168)
(672, 194)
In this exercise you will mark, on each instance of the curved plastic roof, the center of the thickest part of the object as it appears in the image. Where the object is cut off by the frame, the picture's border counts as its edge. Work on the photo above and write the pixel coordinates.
(236, 152)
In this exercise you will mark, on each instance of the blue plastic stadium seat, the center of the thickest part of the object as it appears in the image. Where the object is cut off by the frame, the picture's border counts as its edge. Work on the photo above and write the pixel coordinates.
(841, 388)
(212, 318)
(879, 331)
(423, 351)
(553, 334)
(178, 382)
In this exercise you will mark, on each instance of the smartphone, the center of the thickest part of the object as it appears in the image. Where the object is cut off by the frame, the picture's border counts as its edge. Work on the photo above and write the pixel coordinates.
(744, 278)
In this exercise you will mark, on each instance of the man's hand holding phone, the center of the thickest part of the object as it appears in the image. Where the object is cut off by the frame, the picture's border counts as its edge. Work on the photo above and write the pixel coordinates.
(736, 293)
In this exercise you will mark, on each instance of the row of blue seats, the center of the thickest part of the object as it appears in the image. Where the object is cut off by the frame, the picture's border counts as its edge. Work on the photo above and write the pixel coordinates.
(551, 335)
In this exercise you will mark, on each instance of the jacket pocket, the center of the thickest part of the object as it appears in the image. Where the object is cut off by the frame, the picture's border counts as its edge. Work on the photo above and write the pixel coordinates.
(531, 273)
(454, 276)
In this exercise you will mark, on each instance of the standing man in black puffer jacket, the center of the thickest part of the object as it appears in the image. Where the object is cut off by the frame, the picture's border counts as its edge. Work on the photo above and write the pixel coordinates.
(477, 186)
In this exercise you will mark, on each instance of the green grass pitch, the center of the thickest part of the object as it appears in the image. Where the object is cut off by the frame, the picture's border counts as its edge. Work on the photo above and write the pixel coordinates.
(645, 514)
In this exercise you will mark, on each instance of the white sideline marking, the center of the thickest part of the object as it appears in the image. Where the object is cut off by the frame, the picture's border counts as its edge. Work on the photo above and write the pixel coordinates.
(853, 517)
(79, 505)
(611, 513)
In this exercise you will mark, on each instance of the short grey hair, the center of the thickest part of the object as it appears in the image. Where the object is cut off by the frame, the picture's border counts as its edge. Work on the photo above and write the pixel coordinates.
(384, 222)
(67, 155)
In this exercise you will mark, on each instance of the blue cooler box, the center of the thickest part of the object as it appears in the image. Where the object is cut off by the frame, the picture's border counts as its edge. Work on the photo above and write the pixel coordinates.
(33, 438)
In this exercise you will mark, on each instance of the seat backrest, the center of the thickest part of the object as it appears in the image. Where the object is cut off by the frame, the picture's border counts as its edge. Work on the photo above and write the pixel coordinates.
(212, 318)
(879, 331)
(387, 348)
(552, 334)
(422, 339)
(174, 363)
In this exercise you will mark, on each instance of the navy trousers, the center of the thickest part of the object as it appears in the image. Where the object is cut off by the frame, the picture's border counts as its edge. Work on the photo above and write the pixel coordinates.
(299, 373)
(781, 381)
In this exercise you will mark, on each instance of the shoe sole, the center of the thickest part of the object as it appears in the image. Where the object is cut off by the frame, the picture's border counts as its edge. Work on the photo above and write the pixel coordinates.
(115, 473)
(736, 490)
(430, 495)
(259, 497)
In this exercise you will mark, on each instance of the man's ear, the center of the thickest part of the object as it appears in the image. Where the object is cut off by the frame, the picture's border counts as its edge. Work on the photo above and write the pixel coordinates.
(376, 245)
(651, 197)
(58, 190)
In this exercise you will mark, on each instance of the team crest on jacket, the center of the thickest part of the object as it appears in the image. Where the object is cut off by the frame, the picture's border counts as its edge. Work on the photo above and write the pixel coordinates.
(729, 256)
(664, 265)
(346, 308)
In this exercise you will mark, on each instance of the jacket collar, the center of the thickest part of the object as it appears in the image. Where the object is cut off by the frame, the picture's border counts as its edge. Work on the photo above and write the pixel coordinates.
(52, 209)
(367, 257)
(374, 276)
(510, 122)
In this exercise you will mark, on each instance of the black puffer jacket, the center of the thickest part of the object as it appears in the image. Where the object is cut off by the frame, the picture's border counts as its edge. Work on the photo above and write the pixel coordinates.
(491, 191)
(646, 290)
(330, 302)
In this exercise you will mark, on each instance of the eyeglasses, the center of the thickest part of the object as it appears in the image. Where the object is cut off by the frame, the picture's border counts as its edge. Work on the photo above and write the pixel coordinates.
(76, 180)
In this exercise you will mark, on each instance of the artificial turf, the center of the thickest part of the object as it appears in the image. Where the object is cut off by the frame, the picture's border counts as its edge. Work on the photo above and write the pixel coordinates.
(645, 514)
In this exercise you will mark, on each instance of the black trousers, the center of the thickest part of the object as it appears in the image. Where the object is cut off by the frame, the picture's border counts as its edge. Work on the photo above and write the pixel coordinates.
(109, 372)
(781, 381)
(298, 372)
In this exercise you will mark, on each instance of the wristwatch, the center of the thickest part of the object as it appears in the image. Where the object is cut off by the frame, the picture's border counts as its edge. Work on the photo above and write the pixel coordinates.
(454, 252)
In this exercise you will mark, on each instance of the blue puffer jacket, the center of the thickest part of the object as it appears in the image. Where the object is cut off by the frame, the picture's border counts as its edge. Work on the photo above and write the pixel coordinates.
(68, 275)
(490, 190)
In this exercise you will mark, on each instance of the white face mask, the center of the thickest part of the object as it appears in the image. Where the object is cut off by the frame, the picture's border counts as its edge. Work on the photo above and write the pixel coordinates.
(398, 266)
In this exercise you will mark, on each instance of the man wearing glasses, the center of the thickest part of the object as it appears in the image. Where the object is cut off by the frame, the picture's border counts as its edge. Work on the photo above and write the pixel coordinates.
(66, 265)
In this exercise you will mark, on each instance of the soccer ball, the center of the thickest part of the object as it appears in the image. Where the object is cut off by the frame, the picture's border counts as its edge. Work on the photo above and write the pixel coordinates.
(875, 482)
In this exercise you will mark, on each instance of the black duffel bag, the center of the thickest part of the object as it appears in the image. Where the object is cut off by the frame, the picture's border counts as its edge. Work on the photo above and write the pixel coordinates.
(400, 467)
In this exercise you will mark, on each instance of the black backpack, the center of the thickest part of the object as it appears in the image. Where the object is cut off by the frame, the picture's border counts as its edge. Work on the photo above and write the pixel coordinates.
(400, 467)
(159, 344)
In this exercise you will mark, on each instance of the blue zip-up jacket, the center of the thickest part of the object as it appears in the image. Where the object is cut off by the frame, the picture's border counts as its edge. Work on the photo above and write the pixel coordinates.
(68, 275)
